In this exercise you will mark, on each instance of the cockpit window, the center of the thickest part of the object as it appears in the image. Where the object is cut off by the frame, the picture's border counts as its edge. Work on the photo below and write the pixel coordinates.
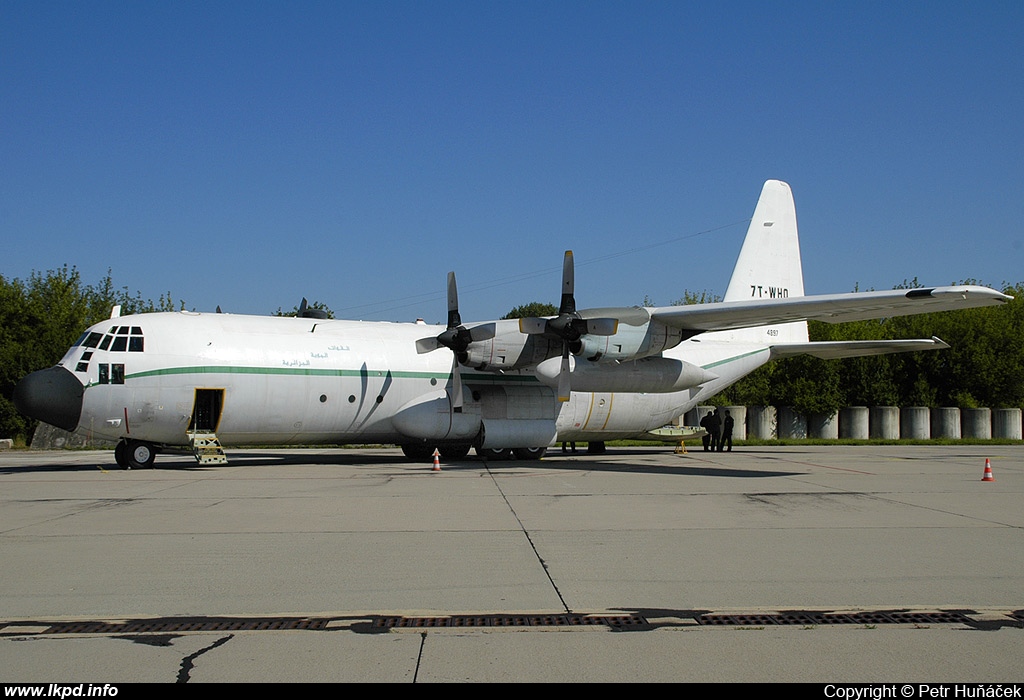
(92, 340)
(122, 338)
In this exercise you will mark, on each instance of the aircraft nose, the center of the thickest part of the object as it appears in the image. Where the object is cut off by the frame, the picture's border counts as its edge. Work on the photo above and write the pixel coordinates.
(52, 395)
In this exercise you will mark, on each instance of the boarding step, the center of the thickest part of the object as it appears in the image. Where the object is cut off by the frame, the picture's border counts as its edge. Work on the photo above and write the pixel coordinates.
(207, 448)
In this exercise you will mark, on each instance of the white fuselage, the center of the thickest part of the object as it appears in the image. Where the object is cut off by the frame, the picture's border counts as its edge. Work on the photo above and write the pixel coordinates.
(306, 380)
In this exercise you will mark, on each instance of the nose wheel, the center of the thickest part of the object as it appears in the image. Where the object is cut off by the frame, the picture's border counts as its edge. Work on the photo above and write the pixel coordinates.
(134, 454)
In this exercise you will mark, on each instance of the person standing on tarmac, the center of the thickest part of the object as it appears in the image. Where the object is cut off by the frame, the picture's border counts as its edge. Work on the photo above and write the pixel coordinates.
(727, 425)
(705, 423)
(715, 428)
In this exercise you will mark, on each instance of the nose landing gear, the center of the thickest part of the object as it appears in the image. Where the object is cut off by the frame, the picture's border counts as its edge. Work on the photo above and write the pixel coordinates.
(134, 454)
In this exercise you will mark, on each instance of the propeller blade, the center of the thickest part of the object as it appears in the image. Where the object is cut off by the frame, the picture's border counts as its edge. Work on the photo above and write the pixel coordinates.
(427, 345)
(454, 320)
(602, 326)
(485, 331)
(533, 325)
(568, 305)
(456, 385)
(563, 375)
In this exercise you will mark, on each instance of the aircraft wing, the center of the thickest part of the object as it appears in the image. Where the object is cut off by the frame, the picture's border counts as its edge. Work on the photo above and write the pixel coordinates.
(832, 350)
(830, 308)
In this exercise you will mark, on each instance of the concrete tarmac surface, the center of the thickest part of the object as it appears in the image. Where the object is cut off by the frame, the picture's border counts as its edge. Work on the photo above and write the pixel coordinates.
(834, 564)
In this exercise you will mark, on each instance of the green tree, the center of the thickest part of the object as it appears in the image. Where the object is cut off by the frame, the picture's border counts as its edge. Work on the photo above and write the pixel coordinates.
(532, 310)
(809, 384)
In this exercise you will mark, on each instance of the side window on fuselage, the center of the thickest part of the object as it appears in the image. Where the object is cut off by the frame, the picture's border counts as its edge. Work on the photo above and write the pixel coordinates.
(111, 374)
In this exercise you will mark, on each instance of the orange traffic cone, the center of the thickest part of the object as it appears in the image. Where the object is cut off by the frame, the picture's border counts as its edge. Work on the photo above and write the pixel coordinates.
(988, 472)
(437, 462)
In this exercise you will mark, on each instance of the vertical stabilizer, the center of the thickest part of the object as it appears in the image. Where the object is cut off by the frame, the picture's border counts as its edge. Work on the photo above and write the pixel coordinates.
(769, 263)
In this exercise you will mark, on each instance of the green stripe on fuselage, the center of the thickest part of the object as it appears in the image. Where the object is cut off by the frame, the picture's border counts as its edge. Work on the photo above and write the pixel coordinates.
(311, 372)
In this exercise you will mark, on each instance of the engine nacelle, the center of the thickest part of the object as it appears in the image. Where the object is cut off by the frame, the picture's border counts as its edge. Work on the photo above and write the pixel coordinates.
(637, 336)
(650, 375)
(509, 349)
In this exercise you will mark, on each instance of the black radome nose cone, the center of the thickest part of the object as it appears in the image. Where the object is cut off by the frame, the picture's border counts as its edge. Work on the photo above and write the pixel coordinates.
(52, 396)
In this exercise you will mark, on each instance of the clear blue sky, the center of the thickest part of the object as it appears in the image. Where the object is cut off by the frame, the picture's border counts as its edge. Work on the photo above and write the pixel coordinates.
(249, 154)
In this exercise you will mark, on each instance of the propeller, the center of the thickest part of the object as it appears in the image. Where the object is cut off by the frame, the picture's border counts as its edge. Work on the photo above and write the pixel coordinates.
(456, 337)
(568, 326)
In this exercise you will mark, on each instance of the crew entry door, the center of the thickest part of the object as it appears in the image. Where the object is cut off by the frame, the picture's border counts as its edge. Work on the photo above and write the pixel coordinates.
(206, 411)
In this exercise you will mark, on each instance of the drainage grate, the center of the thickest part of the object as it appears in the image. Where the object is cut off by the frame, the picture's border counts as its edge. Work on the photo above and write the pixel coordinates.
(626, 622)
(825, 618)
(187, 625)
(613, 621)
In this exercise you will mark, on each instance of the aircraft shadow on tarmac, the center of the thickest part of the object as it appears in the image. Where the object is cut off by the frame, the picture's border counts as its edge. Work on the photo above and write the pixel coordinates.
(615, 461)
(556, 461)
(681, 470)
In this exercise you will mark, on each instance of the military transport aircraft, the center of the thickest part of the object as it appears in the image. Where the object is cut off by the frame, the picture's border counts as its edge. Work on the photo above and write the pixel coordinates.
(508, 387)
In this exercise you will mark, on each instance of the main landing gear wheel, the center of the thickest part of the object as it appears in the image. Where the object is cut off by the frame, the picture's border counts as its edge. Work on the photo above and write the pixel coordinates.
(141, 455)
(529, 452)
